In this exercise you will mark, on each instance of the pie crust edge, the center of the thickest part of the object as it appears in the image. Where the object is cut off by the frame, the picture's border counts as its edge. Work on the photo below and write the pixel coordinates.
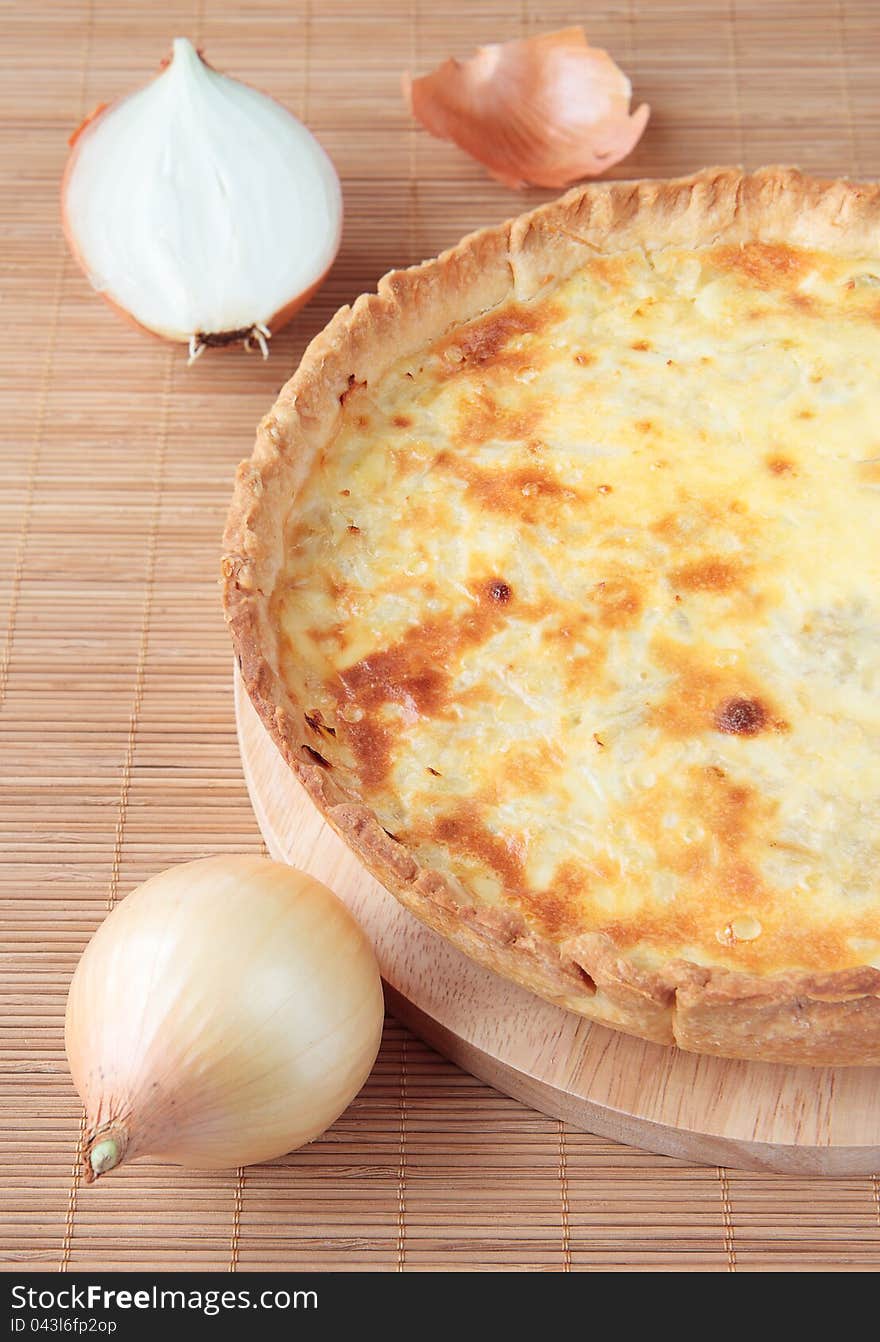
(801, 1018)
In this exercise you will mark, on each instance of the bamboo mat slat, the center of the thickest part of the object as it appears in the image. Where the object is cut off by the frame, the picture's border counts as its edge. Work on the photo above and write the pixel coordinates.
(117, 744)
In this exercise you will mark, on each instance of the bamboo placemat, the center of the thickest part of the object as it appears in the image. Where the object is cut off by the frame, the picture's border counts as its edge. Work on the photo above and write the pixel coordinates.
(118, 753)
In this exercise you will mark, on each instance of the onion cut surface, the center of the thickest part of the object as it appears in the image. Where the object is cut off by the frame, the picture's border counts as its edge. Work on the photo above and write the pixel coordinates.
(201, 207)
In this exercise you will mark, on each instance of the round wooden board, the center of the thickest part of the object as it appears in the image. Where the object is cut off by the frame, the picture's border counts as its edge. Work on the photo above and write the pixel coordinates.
(707, 1110)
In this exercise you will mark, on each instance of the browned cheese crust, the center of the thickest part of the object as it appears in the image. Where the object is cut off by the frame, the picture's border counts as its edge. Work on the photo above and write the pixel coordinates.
(792, 1017)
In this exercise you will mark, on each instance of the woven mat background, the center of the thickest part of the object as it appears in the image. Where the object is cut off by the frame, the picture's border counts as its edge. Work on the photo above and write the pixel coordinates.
(118, 745)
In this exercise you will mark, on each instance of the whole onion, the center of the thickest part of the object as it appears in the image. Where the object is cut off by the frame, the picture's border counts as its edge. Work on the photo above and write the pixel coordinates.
(227, 1011)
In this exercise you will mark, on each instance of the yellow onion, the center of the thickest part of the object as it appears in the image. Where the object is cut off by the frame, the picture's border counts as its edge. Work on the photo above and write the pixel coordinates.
(224, 1013)
(201, 208)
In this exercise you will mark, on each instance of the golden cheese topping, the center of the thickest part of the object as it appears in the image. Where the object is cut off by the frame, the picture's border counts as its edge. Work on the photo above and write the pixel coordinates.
(583, 602)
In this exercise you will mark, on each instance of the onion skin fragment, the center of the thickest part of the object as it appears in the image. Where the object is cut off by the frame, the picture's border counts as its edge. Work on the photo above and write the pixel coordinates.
(540, 111)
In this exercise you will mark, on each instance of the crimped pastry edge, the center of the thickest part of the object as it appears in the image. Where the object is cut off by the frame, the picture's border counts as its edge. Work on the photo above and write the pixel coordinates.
(815, 1019)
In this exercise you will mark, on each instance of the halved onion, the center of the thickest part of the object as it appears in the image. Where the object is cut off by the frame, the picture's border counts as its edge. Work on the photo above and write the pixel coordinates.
(201, 207)
(541, 111)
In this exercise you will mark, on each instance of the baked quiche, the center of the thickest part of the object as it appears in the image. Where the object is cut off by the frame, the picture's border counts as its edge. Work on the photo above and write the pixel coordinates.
(555, 575)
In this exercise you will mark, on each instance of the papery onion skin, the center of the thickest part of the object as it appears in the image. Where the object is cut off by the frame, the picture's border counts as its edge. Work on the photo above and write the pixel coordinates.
(542, 111)
(265, 318)
(226, 1012)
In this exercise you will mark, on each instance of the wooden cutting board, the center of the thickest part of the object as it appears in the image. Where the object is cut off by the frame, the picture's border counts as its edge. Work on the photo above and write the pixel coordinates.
(708, 1110)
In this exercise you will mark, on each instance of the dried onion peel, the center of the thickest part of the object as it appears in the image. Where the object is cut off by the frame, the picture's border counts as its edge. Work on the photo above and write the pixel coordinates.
(541, 111)
(225, 1012)
(200, 207)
